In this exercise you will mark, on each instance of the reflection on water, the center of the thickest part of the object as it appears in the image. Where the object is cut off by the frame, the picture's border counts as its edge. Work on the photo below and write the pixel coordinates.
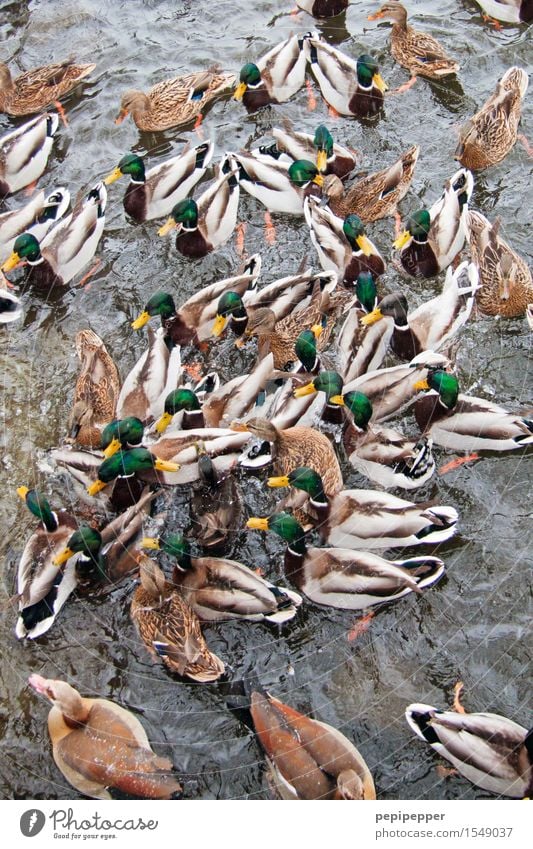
(472, 625)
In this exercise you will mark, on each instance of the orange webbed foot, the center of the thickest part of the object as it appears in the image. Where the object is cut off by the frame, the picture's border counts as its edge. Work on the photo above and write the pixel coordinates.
(525, 144)
(457, 690)
(240, 232)
(86, 277)
(61, 113)
(30, 188)
(311, 99)
(270, 230)
(492, 21)
(405, 87)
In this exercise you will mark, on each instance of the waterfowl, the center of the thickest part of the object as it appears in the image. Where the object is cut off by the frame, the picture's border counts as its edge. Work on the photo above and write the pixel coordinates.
(24, 152)
(417, 51)
(434, 323)
(342, 245)
(96, 392)
(192, 322)
(154, 193)
(346, 579)
(308, 759)
(489, 135)
(491, 751)
(351, 87)
(330, 157)
(36, 89)
(121, 434)
(219, 589)
(323, 8)
(68, 247)
(100, 747)
(279, 186)
(42, 588)
(36, 217)
(127, 465)
(465, 423)
(375, 196)
(363, 518)
(509, 11)
(205, 224)
(154, 375)
(434, 237)
(506, 283)
(10, 306)
(275, 77)
(170, 628)
(174, 102)
(216, 505)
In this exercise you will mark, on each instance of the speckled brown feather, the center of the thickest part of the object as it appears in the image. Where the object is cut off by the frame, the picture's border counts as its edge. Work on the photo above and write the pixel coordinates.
(97, 389)
(35, 90)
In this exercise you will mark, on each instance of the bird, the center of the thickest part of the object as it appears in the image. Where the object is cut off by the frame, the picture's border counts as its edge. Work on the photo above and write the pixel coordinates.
(24, 152)
(101, 747)
(509, 11)
(34, 90)
(279, 186)
(323, 8)
(274, 78)
(216, 505)
(154, 193)
(36, 217)
(175, 102)
(96, 392)
(329, 156)
(170, 628)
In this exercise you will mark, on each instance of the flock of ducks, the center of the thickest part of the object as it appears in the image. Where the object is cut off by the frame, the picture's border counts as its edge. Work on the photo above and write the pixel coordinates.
(317, 382)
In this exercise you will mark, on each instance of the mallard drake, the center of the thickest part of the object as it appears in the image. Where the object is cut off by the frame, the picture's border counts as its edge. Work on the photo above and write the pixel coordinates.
(215, 505)
(275, 77)
(37, 217)
(340, 577)
(170, 628)
(323, 8)
(342, 245)
(121, 435)
(174, 102)
(295, 446)
(509, 11)
(279, 186)
(126, 464)
(491, 751)
(434, 323)
(205, 224)
(308, 759)
(96, 392)
(154, 375)
(364, 518)
(465, 423)
(24, 152)
(154, 193)
(506, 282)
(219, 589)
(100, 747)
(434, 237)
(68, 247)
(375, 196)
(489, 135)
(419, 52)
(42, 588)
(36, 89)
(331, 158)
(352, 88)
(192, 322)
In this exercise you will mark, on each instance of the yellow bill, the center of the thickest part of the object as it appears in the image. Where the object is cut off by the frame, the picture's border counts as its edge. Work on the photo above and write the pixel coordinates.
(380, 83)
(319, 180)
(402, 240)
(112, 448)
(239, 427)
(336, 400)
(139, 322)
(281, 481)
(166, 465)
(11, 263)
(163, 422)
(321, 160)
(317, 330)
(365, 245)
(371, 317)
(96, 487)
(238, 94)
(115, 175)
(256, 524)
(169, 225)
(22, 492)
(421, 384)
(65, 555)
(219, 325)
(151, 543)
(302, 391)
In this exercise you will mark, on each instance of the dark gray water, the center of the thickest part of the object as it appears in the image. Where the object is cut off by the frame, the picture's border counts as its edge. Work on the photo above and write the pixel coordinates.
(474, 625)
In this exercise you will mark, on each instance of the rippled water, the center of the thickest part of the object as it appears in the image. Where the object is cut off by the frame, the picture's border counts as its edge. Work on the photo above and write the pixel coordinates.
(474, 625)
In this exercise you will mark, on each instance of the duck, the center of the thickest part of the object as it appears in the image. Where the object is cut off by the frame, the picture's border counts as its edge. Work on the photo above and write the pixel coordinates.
(323, 8)
(343, 578)
(154, 193)
(434, 237)
(205, 224)
(330, 157)
(369, 519)
(506, 282)
(126, 465)
(36, 217)
(508, 11)
(121, 435)
(342, 244)
(434, 323)
(24, 152)
(219, 589)
(96, 393)
(175, 102)
(154, 375)
(42, 589)
(169, 627)
(308, 759)
(101, 747)
(192, 323)
(491, 751)
(274, 78)
(34, 90)
(68, 247)
(10, 306)
(417, 51)
(216, 505)
(279, 186)
(491, 133)
(351, 87)
(376, 195)
(466, 423)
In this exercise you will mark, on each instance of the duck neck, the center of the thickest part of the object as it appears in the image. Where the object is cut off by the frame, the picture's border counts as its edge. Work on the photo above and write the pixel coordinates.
(294, 561)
